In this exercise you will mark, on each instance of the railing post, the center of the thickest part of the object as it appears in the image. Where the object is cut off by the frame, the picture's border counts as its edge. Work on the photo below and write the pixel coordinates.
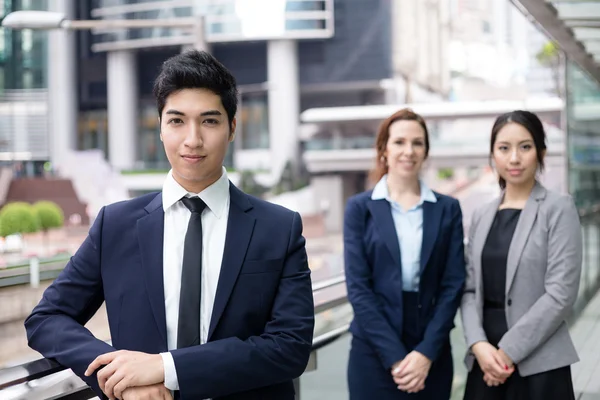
(34, 272)
(297, 388)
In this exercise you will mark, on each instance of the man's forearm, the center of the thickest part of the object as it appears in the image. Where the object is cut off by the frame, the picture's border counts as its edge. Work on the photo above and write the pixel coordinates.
(231, 365)
(76, 349)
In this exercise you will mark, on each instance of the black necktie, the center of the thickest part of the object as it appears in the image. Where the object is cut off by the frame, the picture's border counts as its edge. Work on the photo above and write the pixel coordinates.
(188, 327)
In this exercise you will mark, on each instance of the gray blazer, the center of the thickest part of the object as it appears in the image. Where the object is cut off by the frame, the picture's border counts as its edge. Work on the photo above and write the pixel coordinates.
(542, 281)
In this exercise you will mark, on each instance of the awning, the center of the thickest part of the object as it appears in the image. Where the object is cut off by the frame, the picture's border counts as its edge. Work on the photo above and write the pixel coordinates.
(573, 24)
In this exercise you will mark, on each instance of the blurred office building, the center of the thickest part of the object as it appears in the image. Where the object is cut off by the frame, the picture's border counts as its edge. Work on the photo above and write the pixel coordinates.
(288, 56)
(316, 77)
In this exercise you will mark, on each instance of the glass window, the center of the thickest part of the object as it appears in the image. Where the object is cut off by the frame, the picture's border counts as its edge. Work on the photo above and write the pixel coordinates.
(583, 107)
(254, 117)
(93, 131)
(151, 151)
(583, 128)
(22, 52)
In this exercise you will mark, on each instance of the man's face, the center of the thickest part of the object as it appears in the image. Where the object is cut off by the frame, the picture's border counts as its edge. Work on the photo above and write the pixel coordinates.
(195, 132)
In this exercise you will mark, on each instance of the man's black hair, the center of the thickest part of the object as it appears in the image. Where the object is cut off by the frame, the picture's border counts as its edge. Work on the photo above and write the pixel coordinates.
(196, 70)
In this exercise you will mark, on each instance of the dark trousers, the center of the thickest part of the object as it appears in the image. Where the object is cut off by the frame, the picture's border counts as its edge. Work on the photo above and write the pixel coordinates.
(369, 380)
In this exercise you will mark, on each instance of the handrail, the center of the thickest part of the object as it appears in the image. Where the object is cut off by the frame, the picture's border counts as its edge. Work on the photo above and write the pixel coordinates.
(589, 212)
(329, 337)
(327, 283)
(44, 367)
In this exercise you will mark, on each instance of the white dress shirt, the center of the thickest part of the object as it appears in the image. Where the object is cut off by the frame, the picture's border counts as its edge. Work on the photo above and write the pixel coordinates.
(214, 229)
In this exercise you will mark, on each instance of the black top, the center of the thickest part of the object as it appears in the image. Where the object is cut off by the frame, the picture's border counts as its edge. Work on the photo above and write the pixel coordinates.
(495, 254)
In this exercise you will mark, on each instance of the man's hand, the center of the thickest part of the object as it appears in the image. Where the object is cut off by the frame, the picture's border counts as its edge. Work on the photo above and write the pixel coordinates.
(125, 369)
(153, 392)
(495, 369)
(410, 373)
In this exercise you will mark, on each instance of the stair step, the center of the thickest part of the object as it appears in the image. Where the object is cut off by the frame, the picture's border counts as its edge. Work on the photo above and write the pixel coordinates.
(60, 191)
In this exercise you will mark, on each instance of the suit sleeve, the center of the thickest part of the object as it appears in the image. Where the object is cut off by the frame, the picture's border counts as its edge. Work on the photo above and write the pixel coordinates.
(280, 354)
(55, 327)
(449, 293)
(367, 308)
(472, 324)
(561, 285)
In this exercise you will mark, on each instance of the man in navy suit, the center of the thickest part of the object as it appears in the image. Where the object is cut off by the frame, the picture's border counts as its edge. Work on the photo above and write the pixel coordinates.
(207, 290)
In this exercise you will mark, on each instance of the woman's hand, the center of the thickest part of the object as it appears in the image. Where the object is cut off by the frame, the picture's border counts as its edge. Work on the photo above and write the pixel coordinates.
(410, 373)
(506, 358)
(495, 369)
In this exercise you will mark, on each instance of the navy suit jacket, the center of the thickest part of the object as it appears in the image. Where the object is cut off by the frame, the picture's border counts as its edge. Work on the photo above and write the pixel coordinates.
(260, 336)
(374, 275)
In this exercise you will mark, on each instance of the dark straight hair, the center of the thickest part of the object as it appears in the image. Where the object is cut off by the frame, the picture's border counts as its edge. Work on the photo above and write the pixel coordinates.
(196, 70)
(527, 120)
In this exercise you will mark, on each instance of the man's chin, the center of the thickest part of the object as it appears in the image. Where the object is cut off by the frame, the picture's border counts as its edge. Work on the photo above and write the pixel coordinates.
(198, 177)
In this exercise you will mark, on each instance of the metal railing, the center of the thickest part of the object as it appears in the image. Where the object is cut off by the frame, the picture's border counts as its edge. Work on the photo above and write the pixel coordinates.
(42, 368)
(33, 272)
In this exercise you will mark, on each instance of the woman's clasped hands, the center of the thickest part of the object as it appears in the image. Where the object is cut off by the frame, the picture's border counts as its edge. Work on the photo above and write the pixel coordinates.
(497, 367)
(410, 373)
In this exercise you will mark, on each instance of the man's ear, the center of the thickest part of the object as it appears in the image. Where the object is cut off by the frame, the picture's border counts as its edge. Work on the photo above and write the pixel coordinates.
(160, 127)
(232, 130)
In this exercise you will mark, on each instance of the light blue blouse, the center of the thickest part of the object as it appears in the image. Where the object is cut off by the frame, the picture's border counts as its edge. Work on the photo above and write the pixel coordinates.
(409, 228)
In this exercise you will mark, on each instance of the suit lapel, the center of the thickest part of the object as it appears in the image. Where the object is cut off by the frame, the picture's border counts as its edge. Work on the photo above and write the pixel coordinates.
(522, 231)
(432, 217)
(150, 235)
(382, 215)
(483, 229)
(240, 226)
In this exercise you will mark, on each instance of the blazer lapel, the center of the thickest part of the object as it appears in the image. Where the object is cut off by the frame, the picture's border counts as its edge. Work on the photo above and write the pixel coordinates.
(483, 229)
(150, 235)
(240, 226)
(432, 217)
(382, 215)
(522, 231)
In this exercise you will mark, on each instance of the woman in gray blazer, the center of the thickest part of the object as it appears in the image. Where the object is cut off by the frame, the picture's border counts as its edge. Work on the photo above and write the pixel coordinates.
(524, 264)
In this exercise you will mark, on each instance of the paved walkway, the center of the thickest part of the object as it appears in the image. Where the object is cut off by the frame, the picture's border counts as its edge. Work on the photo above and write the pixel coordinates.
(586, 335)
(329, 380)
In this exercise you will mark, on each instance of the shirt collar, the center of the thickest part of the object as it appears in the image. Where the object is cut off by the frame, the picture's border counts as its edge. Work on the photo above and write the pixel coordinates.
(214, 196)
(380, 192)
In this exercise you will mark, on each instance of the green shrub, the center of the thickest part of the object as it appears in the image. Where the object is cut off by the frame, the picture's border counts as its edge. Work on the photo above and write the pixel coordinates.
(49, 215)
(249, 185)
(445, 173)
(18, 217)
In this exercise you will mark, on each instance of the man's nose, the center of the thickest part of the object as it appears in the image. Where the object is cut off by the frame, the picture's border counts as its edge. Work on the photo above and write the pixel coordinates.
(193, 137)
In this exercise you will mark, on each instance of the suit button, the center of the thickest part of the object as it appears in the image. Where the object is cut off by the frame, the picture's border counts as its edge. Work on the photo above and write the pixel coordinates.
(509, 302)
(420, 306)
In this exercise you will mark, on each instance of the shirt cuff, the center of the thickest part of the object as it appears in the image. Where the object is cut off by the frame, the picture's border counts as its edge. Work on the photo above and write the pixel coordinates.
(171, 381)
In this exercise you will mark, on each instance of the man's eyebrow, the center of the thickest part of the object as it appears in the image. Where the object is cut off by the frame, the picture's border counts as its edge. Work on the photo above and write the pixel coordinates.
(203, 114)
(174, 112)
(211, 112)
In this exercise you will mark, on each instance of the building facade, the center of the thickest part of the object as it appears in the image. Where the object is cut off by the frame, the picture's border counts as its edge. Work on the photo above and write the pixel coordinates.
(310, 54)
(23, 82)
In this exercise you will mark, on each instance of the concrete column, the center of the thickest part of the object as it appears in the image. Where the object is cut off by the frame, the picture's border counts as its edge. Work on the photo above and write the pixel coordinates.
(329, 193)
(284, 103)
(593, 258)
(200, 42)
(62, 87)
(332, 192)
(122, 109)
